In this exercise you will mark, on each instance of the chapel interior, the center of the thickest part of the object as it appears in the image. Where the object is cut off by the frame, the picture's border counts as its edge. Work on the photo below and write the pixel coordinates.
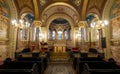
(60, 36)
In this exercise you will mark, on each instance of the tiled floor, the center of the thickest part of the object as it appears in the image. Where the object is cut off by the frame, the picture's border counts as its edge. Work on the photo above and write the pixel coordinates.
(60, 68)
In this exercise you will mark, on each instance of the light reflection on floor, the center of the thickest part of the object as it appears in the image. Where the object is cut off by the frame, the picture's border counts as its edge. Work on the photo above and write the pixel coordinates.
(60, 69)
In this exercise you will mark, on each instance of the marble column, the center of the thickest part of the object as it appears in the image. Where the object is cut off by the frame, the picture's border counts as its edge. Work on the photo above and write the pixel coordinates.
(100, 39)
(38, 24)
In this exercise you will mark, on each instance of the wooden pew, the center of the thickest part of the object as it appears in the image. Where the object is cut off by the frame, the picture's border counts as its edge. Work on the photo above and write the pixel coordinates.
(41, 62)
(13, 67)
(101, 68)
(82, 62)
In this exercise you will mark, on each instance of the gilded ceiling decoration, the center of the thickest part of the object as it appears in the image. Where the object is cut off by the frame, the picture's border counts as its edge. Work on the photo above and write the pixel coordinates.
(62, 10)
(76, 9)
(60, 0)
(42, 2)
(60, 24)
(77, 2)
(97, 4)
(24, 3)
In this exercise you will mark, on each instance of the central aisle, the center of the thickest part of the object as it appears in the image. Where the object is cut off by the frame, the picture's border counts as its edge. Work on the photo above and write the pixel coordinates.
(60, 68)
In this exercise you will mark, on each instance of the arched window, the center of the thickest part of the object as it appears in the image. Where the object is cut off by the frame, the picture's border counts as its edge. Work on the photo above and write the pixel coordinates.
(97, 34)
(59, 35)
(53, 35)
(80, 34)
(85, 33)
(66, 34)
(49, 32)
(34, 33)
(22, 34)
(70, 35)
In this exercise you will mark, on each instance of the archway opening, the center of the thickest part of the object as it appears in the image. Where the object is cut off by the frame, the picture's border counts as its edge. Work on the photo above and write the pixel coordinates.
(59, 29)
(59, 33)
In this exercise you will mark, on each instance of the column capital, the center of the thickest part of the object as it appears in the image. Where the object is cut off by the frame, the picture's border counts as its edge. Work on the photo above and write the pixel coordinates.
(37, 23)
(82, 24)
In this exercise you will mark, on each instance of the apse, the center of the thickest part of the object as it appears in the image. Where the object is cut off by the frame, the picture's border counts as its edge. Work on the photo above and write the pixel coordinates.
(60, 29)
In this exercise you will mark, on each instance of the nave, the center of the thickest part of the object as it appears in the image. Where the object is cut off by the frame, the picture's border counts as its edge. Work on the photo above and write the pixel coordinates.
(37, 34)
(77, 63)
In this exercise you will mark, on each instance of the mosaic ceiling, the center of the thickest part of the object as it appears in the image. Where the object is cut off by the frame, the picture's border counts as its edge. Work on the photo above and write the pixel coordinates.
(76, 9)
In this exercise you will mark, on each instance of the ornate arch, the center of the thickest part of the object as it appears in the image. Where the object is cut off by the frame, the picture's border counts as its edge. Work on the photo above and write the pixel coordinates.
(107, 8)
(94, 10)
(26, 10)
(13, 10)
(12, 37)
(61, 8)
(68, 18)
(106, 15)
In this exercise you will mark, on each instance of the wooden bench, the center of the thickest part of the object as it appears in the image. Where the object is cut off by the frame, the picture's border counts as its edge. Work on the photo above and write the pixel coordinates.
(101, 68)
(18, 68)
(41, 62)
(82, 61)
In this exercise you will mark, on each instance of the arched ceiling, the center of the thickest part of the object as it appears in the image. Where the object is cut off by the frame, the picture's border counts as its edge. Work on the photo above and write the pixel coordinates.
(61, 8)
(79, 8)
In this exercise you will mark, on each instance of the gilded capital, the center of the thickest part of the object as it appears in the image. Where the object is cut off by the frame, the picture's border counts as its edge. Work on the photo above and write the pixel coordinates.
(82, 24)
(37, 23)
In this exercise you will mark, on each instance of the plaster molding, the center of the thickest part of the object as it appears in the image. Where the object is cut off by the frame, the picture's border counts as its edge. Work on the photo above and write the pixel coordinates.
(106, 16)
(12, 37)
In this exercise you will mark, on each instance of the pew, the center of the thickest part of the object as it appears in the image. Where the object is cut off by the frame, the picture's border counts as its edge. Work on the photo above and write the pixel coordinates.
(13, 67)
(82, 61)
(101, 68)
(41, 62)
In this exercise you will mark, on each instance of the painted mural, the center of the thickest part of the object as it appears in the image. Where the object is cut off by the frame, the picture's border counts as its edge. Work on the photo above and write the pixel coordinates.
(115, 20)
(4, 24)
(115, 29)
(4, 20)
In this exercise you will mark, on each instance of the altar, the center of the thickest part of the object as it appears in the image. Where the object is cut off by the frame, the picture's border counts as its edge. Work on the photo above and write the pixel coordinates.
(60, 46)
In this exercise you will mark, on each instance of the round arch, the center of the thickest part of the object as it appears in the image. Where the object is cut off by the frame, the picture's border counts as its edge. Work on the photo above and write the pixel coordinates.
(13, 9)
(68, 18)
(63, 4)
(26, 10)
(91, 17)
(12, 38)
(106, 16)
(61, 8)
(96, 16)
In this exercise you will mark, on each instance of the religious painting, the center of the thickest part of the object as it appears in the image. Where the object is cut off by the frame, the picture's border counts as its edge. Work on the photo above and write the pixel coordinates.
(115, 20)
(115, 27)
(3, 28)
(4, 20)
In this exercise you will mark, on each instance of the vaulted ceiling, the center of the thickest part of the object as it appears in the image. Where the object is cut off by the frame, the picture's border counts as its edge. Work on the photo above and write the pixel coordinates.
(82, 7)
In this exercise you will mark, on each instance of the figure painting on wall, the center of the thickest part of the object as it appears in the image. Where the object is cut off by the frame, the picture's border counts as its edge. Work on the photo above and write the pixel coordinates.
(4, 20)
(115, 18)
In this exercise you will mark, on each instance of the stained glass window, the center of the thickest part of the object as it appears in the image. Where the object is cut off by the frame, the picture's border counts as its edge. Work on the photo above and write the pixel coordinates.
(53, 35)
(66, 35)
(49, 34)
(70, 35)
(34, 33)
